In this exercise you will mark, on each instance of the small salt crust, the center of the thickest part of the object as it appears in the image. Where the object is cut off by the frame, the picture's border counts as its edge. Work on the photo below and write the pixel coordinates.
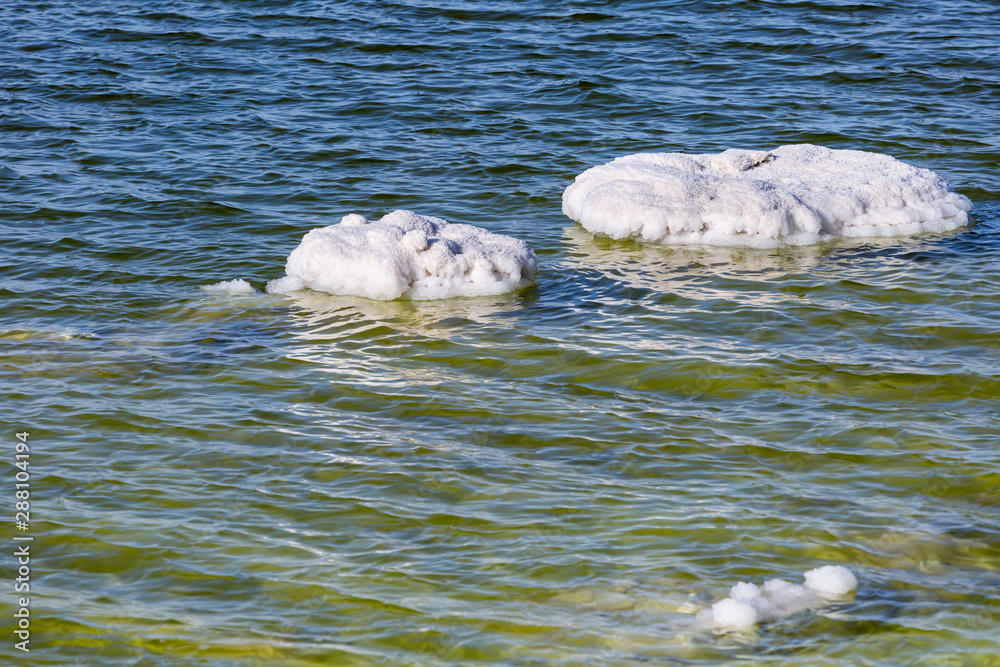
(230, 287)
(831, 580)
(749, 604)
(406, 255)
(796, 194)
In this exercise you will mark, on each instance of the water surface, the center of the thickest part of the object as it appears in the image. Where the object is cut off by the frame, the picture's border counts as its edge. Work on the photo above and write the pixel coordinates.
(561, 476)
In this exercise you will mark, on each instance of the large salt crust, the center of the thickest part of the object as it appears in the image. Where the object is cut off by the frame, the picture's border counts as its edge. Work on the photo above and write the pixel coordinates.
(406, 255)
(795, 194)
(749, 604)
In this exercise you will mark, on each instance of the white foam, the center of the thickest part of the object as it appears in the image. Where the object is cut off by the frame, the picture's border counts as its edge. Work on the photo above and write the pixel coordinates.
(406, 255)
(796, 194)
(230, 287)
(748, 604)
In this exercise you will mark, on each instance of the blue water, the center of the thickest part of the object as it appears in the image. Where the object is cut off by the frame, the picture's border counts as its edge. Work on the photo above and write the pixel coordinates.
(560, 476)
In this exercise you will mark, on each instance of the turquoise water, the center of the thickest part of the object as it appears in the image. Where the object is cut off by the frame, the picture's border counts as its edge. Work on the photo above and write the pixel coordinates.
(561, 476)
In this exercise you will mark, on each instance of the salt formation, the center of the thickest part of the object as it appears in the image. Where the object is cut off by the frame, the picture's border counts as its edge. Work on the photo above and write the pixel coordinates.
(795, 194)
(406, 255)
(230, 287)
(831, 580)
(749, 604)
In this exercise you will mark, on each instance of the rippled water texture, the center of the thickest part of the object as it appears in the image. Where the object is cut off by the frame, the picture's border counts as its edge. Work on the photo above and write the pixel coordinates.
(562, 476)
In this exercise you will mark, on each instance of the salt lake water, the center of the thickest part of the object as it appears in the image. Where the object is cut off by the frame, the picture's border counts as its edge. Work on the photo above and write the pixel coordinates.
(564, 475)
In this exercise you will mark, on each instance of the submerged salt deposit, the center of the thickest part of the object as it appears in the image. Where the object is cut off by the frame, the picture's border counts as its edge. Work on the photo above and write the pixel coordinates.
(793, 194)
(406, 255)
(749, 604)
(237, 286)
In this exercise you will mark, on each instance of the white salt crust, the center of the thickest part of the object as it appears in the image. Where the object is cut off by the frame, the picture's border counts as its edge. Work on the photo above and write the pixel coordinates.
(796, 195)
(406, 255)
(230, 287)
(749, 604)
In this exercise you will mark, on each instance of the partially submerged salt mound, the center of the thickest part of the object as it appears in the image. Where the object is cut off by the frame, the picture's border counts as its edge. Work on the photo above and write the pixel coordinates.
(749, 604)
(406, 255)
(794, 194)
(238, 286)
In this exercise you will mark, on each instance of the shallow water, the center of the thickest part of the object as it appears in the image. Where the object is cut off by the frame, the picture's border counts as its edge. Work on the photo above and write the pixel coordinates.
(562, 476)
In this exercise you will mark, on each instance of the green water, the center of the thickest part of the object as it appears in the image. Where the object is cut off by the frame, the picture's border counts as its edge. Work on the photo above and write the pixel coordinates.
(561, 476)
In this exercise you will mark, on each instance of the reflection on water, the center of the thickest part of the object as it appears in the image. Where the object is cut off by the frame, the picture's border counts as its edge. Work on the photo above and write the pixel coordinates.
(747, 274)
(693, 272)
(320, 316)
